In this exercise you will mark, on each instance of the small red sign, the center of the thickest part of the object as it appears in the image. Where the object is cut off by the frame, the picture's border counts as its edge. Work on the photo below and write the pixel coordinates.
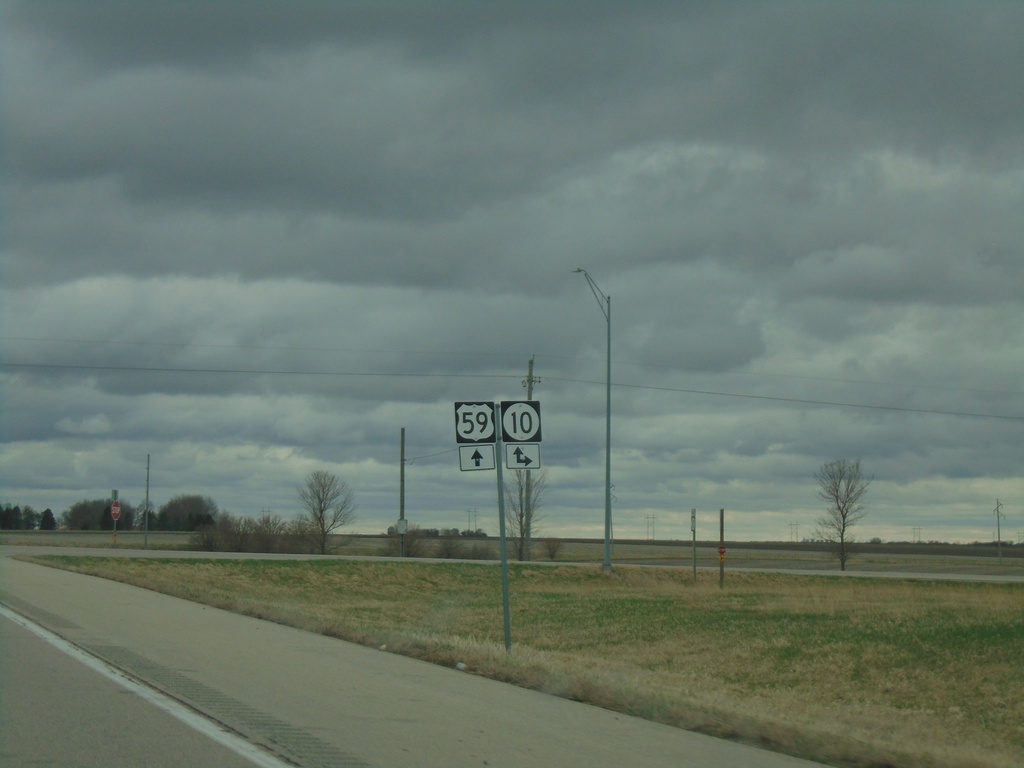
(115, 510)
(721, 550)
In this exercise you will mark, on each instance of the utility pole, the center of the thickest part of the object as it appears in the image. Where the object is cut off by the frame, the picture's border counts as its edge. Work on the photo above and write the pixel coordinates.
(999, 533)
(145, 512)
(693, 531)
(527, 510)
(721, 549)
(401, 498)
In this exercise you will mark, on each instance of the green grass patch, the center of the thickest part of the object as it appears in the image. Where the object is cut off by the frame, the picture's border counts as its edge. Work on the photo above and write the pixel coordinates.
(851, 672)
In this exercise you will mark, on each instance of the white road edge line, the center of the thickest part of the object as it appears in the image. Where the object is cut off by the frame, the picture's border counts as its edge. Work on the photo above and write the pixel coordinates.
(208, 728)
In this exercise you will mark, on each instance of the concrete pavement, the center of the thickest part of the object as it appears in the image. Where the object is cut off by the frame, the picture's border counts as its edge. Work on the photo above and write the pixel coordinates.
(56, 710)
(317, 701)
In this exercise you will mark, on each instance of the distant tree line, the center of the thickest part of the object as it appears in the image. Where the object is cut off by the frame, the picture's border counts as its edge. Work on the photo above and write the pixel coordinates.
(267, 533)
(185, 512)
(94, 515)
(16, 518)
(182, 513)
(327, 505)
(436, 533)
(448, 543)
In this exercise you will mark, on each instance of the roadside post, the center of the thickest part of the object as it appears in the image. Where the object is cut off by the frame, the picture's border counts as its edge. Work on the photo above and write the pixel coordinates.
(145, 514)
(402, 527)
(721, 548)
(693, 530)
(480, 448)
(115, 511)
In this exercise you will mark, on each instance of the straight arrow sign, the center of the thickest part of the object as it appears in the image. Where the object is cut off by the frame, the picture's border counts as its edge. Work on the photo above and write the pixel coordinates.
(476, 457)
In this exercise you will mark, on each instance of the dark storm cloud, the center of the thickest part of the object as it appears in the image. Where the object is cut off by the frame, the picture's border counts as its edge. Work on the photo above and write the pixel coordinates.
(379, 142)
(426, 109)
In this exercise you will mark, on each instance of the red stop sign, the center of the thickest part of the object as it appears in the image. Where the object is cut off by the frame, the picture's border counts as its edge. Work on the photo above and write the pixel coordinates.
(115, 510)
(721, 550)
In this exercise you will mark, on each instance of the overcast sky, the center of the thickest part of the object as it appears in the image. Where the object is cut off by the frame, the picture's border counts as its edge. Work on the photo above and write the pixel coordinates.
(256, 239)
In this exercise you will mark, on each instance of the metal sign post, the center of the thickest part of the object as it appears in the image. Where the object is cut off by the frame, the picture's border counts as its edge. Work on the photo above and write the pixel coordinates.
(505, 603)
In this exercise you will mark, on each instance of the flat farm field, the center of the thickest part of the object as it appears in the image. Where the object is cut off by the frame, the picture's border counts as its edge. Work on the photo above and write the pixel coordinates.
(846, 671)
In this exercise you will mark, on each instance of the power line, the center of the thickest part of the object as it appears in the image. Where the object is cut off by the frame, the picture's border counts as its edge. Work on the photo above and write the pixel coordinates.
(435, 353)
(799, 401)
(430, 455)
(250, 371)
(834, 380)
(369, 374)
(183, 345)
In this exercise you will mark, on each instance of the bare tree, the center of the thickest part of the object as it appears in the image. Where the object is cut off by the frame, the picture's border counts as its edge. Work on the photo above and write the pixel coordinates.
(552, 546)
(328, 504)
(841, 486)
(268, 532)
(522, 500)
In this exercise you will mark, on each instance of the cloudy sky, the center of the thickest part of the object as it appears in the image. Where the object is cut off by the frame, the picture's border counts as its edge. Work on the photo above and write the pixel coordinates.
(256, 239)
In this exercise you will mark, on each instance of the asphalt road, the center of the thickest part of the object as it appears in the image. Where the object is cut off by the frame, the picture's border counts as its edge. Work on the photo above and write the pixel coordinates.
(306, 698)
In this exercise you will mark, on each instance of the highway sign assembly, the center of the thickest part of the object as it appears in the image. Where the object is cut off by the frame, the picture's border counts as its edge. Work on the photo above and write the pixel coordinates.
(520, 427)
(480, 443)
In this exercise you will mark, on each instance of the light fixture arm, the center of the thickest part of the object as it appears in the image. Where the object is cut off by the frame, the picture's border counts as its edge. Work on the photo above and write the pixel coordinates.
(602, 300)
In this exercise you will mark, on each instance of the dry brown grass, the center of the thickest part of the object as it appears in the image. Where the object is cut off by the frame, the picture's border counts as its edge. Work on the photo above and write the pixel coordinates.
(851, 672)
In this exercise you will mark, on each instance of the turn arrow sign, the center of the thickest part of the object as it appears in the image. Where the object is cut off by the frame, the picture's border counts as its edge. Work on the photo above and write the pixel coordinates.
(522, 456)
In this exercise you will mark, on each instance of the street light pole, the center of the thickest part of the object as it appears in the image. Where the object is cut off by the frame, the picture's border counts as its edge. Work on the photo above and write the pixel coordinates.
(605, 304)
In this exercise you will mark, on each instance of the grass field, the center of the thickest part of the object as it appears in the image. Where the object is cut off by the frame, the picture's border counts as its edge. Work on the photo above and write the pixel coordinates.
(892, 558)
(850, 672)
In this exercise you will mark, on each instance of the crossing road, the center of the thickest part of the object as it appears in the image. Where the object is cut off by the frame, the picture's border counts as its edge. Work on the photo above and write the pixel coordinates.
(306, 698)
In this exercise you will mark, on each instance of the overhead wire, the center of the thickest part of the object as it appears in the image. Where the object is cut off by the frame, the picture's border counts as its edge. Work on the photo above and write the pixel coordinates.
(618, 385)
